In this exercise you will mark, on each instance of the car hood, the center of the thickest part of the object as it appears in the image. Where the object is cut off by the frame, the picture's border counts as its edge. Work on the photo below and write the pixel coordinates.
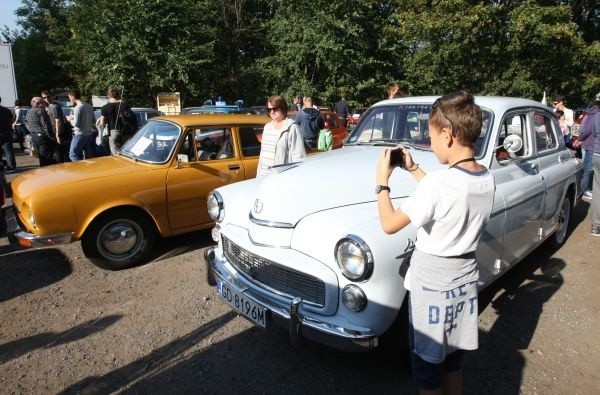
(69, 173)
(332, 179)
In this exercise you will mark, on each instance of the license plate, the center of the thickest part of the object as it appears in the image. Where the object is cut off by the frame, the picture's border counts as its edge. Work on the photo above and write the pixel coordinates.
(247, 307)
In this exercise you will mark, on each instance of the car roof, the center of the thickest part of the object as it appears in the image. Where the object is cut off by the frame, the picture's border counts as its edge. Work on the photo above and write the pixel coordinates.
(213, 119)
(497, 103)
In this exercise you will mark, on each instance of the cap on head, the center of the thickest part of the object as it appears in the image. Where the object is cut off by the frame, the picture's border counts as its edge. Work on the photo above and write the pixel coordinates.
(598, 97)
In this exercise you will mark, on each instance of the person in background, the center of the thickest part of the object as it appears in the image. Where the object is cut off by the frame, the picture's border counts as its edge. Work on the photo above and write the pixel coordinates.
(594, 124)
(42, 134)
(6, 137)
(84, 130)
(450, 209)
(110, 116)
(559, 104)
(63, 141)
(564, 128)
(19, 124)
(281, 139)
(342, 110)
(325, 138)
(296, 106)
(394, 91)
(587, 143)
(311, 122)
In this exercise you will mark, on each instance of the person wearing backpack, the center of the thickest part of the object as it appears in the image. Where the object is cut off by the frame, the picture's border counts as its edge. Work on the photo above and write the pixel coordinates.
(311, 122)
(119, 118)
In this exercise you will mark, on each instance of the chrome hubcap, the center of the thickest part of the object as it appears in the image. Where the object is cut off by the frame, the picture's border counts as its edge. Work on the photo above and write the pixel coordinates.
(119, 238)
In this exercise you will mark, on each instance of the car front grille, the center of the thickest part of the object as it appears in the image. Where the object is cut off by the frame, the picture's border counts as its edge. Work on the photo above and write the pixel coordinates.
(282, 279)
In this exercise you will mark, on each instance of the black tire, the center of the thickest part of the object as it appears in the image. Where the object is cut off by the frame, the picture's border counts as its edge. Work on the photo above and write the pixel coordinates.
(565, 213)
(119, 239)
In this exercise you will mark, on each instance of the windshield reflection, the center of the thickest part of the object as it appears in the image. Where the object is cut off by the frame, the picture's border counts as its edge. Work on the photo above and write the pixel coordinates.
(153, 143)
(404, 124)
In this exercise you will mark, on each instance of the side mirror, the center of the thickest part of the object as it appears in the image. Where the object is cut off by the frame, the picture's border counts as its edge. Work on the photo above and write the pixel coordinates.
(512, 143)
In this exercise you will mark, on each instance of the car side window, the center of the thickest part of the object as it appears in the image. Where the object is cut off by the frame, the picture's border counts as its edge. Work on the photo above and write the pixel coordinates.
(249, 140)
(545, 133)
(513, 124)
(188, 147)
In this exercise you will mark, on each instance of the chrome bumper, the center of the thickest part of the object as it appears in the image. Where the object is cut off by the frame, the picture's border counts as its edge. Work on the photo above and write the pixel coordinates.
(298, 325)
(17, 234)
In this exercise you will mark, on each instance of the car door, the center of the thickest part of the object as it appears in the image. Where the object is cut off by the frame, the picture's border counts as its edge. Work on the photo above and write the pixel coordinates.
(555, 166)
(249, 137)
(195, 174)
(520, 188)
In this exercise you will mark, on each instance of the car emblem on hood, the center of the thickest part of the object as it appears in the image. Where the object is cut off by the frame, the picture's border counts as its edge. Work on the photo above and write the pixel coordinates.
(258, 206)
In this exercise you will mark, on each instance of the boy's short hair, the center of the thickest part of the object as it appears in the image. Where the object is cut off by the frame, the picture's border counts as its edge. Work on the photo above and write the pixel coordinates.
(459, 112)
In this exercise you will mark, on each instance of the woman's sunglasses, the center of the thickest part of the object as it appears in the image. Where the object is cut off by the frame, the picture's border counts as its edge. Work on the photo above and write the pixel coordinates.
(272, 109)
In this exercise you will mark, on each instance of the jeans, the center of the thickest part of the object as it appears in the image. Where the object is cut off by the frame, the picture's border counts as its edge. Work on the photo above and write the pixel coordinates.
(588, 170)
(82, 146)
(7, 147)
(596, 201)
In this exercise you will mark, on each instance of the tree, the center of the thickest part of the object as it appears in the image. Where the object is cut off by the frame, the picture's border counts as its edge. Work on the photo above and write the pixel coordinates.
(141, 47)
(36, 65)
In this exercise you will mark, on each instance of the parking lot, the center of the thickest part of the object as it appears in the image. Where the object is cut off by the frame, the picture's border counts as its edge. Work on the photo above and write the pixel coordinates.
(67, 326)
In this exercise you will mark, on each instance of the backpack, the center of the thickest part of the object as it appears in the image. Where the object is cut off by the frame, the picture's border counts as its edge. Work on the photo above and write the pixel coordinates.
(127, 121)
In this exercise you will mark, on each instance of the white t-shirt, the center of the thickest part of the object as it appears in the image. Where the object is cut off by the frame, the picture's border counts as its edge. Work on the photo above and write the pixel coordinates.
(450, 208)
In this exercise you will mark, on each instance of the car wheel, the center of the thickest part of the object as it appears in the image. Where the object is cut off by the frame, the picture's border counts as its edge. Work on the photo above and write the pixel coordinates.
(119, 239)
(563, 222)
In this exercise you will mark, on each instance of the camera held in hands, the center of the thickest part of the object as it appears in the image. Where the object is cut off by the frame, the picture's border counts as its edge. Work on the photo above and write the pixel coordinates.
(397, 158)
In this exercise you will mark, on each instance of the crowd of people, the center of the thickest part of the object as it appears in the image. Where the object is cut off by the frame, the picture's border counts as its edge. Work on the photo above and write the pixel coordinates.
(45, 131)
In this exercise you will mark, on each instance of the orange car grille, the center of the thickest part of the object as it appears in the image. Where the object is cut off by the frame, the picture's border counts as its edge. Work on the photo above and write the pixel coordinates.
(279, 278)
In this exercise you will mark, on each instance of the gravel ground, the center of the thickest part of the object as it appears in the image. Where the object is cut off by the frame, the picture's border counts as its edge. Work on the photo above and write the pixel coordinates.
(67, 326)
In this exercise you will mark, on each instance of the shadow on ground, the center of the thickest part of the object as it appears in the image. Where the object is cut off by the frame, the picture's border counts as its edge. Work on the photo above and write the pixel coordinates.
(23, 346)
(25, 271)
(182, 244)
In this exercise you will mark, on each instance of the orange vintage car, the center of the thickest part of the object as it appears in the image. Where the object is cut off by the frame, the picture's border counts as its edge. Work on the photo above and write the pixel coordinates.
(156, 186)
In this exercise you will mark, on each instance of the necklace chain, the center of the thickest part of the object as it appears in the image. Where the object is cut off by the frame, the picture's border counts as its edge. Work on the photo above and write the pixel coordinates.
(471, 159)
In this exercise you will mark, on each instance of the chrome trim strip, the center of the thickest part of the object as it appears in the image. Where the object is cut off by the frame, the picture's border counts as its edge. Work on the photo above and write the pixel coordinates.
(270, 224)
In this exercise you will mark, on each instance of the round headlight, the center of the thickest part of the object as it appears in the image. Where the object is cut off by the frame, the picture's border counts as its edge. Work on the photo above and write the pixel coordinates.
(214, 205)
(354, 258)
(354, 298)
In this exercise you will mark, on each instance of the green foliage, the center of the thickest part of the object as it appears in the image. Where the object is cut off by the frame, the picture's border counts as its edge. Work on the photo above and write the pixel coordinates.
(251, 49)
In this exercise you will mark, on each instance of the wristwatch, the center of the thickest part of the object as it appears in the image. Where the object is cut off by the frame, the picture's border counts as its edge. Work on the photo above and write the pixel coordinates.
(379, 188)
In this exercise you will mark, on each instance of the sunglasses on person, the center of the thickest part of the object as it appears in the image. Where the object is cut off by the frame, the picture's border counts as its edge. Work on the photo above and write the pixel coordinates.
(272, 109)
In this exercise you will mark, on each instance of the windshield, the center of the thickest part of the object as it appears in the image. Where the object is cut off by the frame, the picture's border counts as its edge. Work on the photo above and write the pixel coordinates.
(406, 124)
(153, 143)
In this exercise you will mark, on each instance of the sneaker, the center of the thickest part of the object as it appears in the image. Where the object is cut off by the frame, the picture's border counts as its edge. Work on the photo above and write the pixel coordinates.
(587, 195)
(595, 230)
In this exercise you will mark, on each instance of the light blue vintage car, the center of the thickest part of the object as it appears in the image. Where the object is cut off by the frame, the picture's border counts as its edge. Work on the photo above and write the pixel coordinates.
(303, 247)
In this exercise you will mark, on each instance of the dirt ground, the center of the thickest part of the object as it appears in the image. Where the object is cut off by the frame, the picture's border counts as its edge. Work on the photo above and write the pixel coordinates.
(67, 326)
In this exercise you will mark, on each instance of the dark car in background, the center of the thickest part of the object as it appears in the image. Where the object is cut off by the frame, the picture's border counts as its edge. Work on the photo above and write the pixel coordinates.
(143, 114)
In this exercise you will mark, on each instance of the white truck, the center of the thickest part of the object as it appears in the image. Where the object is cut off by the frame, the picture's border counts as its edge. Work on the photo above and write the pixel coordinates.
(8, 84)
